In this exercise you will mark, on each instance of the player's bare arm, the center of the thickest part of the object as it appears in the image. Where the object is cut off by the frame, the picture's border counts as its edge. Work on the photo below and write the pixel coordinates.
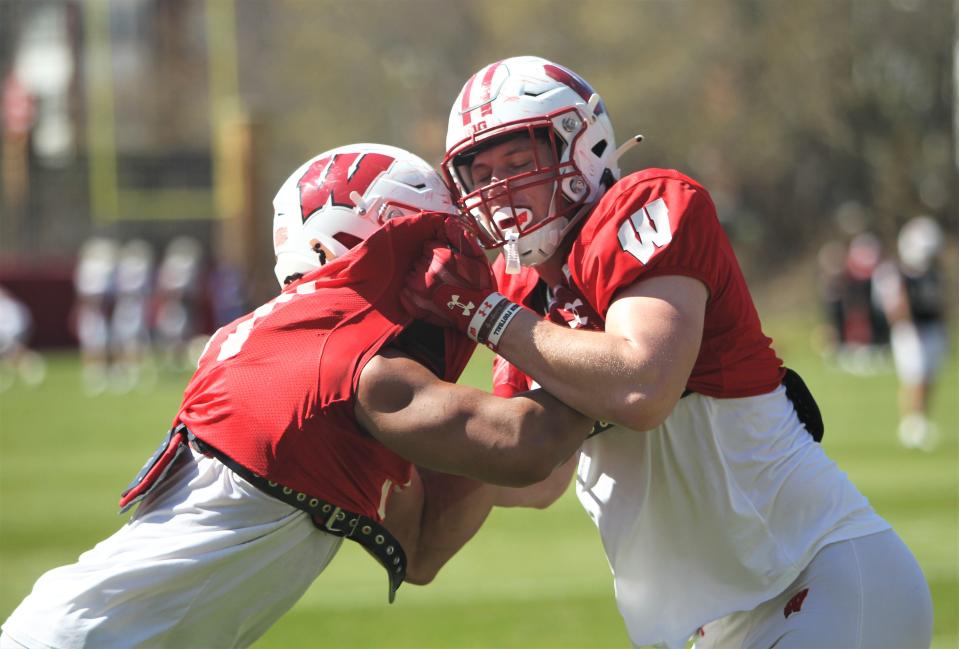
(632, 373)
(635, 371)
(460, 430)
(542, 494)
(434, 517)
(438, 513)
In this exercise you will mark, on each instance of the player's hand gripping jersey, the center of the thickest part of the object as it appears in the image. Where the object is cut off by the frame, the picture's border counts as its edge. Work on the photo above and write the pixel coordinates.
(730, 492)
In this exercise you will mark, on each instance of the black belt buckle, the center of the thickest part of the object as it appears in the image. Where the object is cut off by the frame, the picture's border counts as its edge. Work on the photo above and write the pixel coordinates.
(374, 538)
(337, 525)
(599, 426)
(328, 517)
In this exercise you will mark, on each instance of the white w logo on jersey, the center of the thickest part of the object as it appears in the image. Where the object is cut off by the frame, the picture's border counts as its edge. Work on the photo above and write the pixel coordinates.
(646, 230)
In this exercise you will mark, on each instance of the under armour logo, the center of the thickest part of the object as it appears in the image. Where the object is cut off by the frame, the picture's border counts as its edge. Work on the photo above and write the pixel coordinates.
(455, 303)
(485, 308)
(577, 320)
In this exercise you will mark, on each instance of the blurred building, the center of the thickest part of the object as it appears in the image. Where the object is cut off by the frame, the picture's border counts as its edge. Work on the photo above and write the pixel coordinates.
(111, 128)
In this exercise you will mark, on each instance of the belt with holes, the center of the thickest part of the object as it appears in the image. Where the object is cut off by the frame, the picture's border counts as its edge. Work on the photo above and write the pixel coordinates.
(334, 520)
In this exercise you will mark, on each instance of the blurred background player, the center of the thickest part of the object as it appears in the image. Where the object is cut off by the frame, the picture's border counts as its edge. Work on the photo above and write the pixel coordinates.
(130, 320)
(95, 283)
(829, 283)
(178, 288)
(913, 297)
(864, 337)
(855, 334)
(17, 360)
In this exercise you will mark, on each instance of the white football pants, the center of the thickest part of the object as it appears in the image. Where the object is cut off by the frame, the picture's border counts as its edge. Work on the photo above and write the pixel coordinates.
(864, 593)
(208, 560)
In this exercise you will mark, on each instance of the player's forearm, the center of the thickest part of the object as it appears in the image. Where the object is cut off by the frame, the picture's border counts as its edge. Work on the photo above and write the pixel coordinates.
(454, 509)
(512, 442)
(464, 431)
(542, 494)
(605, 376)
(404, 514)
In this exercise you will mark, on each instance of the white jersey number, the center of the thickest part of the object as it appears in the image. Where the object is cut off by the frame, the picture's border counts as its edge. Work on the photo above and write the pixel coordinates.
(646, 230)
(235, 340)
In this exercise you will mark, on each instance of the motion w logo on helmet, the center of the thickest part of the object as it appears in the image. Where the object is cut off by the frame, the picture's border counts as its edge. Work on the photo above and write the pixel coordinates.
(574, 81)
(333, 179)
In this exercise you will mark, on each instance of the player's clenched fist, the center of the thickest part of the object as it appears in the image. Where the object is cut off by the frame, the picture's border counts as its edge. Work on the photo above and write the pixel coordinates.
(451, 286)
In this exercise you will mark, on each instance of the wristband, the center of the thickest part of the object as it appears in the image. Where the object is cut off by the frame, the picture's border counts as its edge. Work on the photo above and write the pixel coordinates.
(500, 323)
(483, 313)
(489, 322)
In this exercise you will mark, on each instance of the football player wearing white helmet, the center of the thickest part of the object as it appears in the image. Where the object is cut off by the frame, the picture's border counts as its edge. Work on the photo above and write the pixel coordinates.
(302, 419)
(912, 294)
(340, 197)
(95, 283)
(718, 509)
(521, 100)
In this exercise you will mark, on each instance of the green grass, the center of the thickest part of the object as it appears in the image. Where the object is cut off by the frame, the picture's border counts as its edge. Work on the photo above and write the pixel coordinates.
(530, 579)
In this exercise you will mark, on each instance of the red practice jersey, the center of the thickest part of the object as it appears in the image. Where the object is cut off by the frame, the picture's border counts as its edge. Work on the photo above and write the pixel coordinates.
(651, 223)
(275, 389)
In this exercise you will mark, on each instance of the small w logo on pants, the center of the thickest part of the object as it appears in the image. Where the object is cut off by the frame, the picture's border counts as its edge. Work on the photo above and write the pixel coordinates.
(794, 605)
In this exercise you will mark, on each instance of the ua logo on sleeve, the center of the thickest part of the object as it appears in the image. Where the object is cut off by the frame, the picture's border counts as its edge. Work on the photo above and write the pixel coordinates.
(646, 230)
(455, 303)
(566, 307)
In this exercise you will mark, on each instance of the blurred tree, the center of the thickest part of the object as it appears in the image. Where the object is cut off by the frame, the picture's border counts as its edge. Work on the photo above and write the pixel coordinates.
(784, 110)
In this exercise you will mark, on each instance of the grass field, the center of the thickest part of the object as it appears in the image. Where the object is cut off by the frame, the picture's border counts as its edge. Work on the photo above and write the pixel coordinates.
(529, 580)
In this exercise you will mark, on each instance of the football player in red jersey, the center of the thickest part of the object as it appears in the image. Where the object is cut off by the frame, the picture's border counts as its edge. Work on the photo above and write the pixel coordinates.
(716, 505)
(301, 420)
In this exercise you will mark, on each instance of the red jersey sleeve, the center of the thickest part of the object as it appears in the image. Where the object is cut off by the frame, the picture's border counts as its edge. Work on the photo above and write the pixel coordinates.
(656, 222)
(508, 380)
(660, 222)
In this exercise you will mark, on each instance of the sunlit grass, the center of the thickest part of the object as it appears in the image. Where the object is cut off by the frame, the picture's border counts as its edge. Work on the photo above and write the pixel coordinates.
(530, 579)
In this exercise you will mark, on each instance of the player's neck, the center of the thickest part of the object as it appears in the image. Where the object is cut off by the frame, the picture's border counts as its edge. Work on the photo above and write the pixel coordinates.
(551, 270)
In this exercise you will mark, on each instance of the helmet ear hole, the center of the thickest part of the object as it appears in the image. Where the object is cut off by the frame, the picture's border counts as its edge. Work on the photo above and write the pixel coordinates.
(607, 179)
(321, 251)
(599, 148)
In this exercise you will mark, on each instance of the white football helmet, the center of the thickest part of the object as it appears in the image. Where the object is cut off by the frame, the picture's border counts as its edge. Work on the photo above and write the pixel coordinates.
(95, 274)
(340, 197)
(528, 94)
(919, 243)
